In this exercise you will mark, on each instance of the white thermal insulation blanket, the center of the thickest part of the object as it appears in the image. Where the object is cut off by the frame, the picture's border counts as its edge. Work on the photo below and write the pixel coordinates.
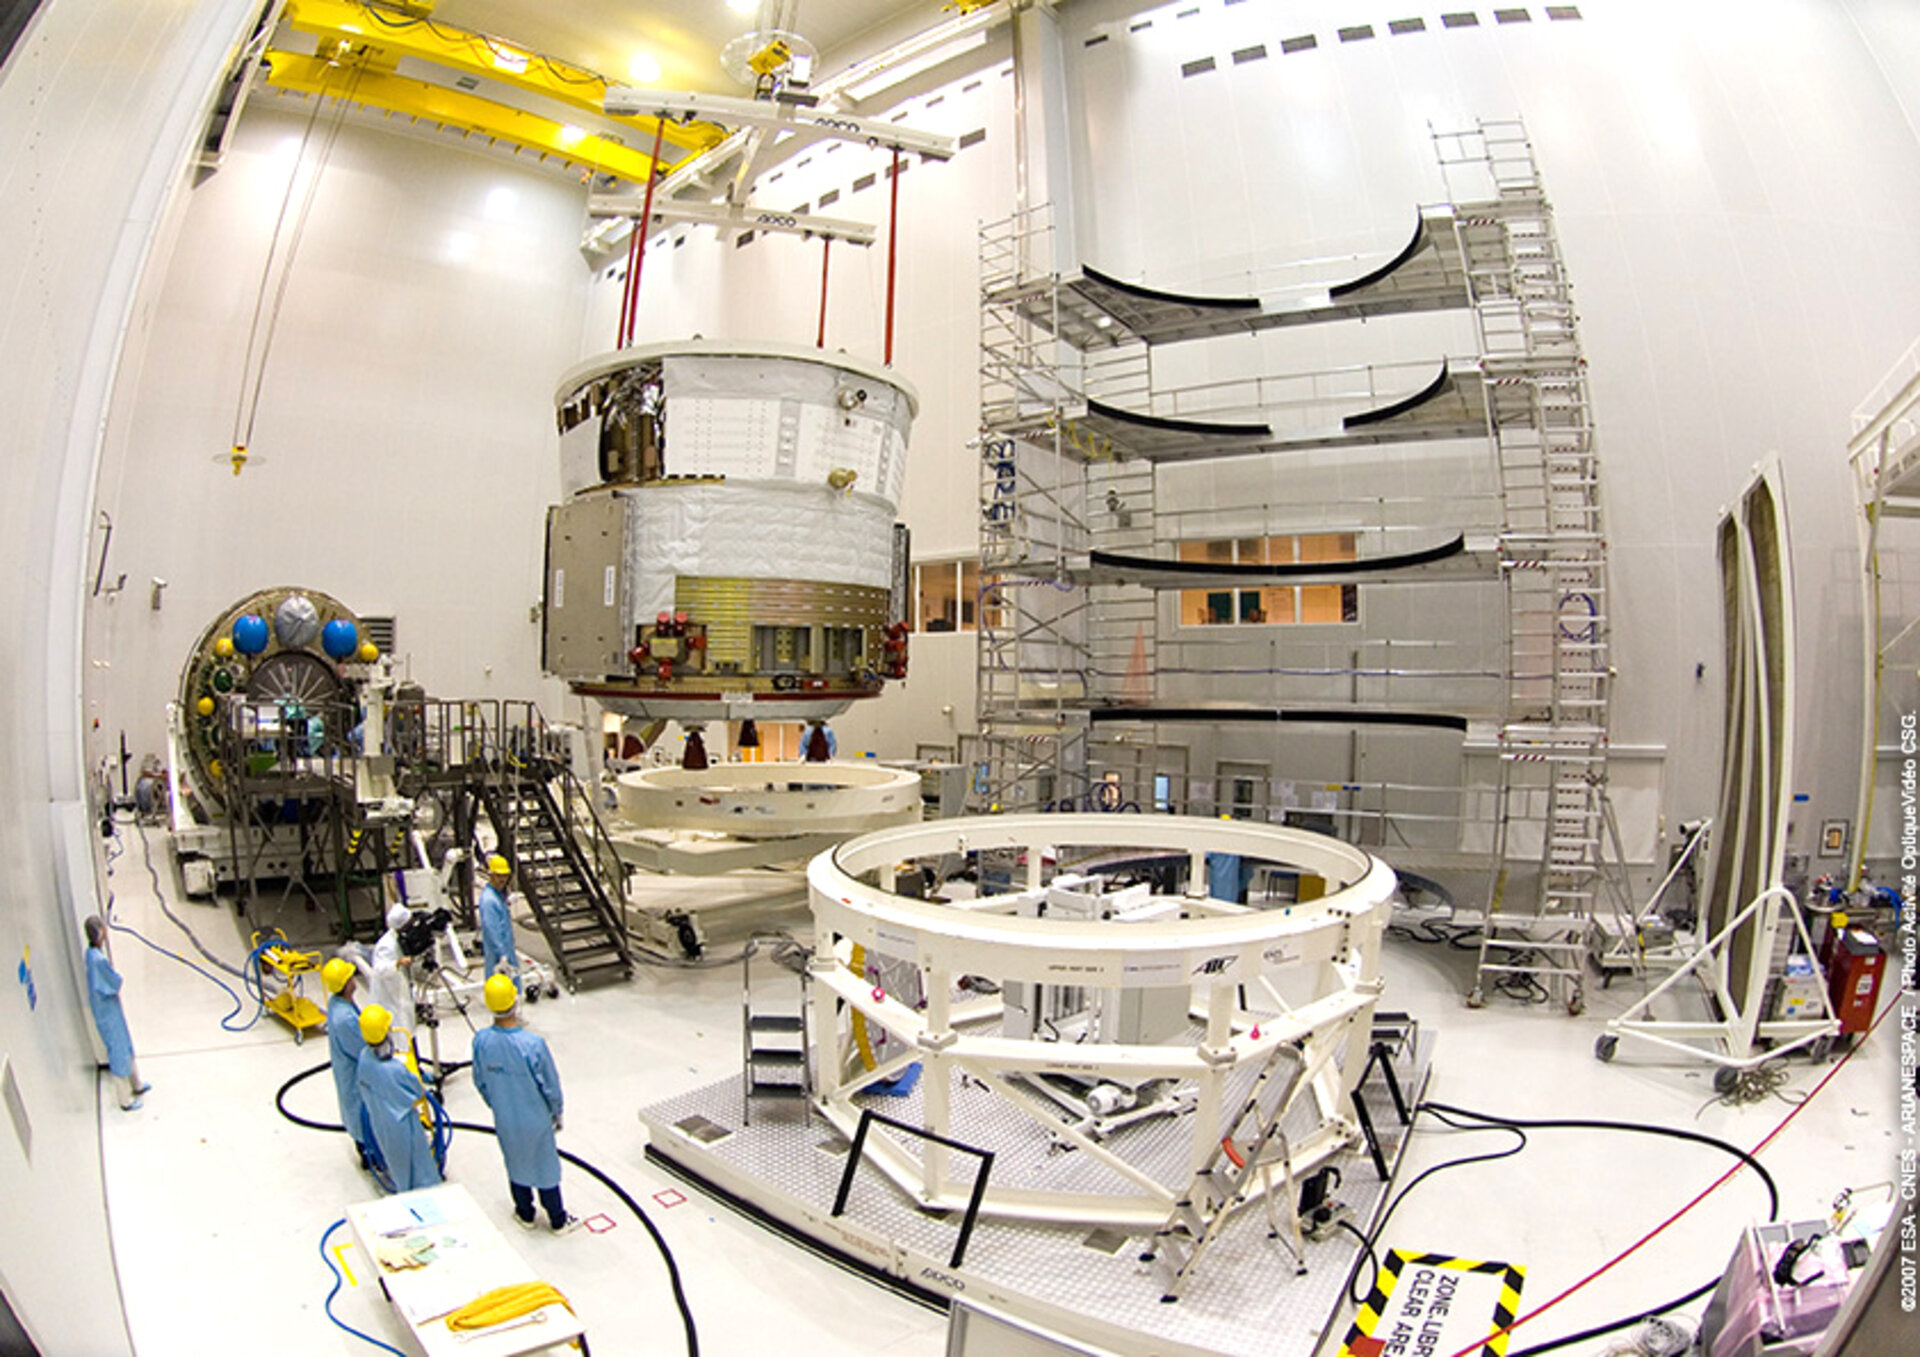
(769, 531)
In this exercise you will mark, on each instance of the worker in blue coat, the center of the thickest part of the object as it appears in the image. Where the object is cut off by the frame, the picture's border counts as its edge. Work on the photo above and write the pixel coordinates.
(390, 1096)
(514, 1071)
(344, 1044)
(109, 1019)
(496, 923)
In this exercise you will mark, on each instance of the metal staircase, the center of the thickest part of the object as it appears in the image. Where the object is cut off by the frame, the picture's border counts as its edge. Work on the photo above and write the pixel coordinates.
(1553, 739)
(569, 900)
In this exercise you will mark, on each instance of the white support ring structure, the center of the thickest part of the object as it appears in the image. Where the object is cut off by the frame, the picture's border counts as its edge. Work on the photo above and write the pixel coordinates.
(1325, 950)
(771, 800)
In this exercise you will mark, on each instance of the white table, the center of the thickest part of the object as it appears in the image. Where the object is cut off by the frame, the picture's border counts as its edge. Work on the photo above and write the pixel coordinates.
(434, 1251)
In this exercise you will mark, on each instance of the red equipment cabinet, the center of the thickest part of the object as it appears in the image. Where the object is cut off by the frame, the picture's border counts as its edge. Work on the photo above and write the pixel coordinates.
(1854, 971)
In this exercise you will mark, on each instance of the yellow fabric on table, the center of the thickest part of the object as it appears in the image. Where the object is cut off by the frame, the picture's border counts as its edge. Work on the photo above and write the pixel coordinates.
(504, 1303)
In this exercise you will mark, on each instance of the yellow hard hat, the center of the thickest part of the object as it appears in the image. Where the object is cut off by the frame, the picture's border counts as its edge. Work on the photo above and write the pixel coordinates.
(499, 866)
(501, 993)
(335, 974)
(375, 1023)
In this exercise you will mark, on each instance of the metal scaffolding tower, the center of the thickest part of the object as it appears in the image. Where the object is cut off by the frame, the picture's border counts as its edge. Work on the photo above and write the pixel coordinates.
(1074, 435)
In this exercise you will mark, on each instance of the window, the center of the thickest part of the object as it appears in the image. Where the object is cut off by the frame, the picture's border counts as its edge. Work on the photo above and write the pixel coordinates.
(947, 596)
(938, 593)
(1270, 605)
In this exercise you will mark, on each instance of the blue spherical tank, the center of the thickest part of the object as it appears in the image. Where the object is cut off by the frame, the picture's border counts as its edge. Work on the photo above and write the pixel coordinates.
(250, 633)
(339, 638)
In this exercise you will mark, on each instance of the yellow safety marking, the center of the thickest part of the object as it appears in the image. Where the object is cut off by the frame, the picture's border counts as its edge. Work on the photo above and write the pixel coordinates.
(340, 1252)
(1422, 1318)
(861, 1038)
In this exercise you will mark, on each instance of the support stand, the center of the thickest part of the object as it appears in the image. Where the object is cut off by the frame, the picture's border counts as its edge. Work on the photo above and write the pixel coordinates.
(1736, 1028)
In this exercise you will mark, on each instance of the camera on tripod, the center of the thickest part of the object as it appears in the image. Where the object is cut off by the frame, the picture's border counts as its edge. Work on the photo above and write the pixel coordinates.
(417, 935)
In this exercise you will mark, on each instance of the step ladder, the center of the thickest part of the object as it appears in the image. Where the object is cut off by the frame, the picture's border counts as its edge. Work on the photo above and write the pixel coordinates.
(774, 1046)
(570, 902)
(1225, 1182)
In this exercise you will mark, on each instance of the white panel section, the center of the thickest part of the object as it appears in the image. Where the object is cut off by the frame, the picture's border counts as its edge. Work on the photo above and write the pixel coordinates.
(756, 532)
(737, 436)
(767, 418)
(831, 441)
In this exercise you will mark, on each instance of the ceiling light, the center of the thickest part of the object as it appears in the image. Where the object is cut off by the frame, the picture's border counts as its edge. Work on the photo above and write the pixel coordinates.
(571, 136)
(509, 59)
(644, 68)
(743, 6)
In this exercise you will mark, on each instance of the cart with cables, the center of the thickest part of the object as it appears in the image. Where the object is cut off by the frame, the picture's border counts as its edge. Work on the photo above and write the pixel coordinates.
(277, 972)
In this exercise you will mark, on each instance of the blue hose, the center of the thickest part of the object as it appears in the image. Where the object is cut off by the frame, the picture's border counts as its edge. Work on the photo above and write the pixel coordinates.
(442, 1141)
(252, 986)
(338, 1282)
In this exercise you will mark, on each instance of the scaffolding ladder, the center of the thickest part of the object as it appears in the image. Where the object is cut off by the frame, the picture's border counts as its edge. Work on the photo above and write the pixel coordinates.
(1032, 649)
(1553, 737)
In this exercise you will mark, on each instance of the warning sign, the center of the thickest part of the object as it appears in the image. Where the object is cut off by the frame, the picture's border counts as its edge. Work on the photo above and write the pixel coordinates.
(1429, 1305)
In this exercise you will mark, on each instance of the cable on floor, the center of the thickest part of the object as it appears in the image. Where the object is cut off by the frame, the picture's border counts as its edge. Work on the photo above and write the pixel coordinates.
(659, 1240)
(1354, 1292)
(253, 987)
(338, 1281)
(153, 875)
(1747, 1157)
(1756, 1086)
(1465, 1119)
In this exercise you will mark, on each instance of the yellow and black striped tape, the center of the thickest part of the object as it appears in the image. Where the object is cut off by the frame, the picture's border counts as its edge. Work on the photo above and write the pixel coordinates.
(1360, 1340)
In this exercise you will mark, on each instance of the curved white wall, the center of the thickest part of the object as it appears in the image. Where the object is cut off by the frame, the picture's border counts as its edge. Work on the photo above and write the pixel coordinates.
(405, 428)
(99, 105)
(1736, 187)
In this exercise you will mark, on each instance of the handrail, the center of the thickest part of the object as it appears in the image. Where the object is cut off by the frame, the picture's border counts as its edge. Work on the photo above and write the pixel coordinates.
(573, 793)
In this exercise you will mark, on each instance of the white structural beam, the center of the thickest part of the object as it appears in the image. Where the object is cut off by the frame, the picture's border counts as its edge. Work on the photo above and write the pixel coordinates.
(731, 216)
(774, 115)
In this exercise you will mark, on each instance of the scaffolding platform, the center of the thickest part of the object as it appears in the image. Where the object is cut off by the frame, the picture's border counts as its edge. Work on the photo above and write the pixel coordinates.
(1087, 1282)
(1096, 310)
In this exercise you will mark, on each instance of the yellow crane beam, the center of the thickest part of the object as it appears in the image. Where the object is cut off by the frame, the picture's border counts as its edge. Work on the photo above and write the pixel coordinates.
(385, 37)
(469, 113)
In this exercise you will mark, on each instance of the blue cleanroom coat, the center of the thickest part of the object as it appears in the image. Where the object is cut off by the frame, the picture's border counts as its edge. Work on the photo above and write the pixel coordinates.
(389, 1091)
(103, 996)
(496, 932)
(344, 1044)
(514, 1071)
